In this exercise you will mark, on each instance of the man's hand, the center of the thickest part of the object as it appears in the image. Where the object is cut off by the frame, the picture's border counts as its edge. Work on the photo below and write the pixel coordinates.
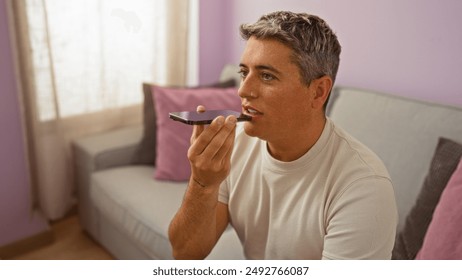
(211, 149)
(201, 219)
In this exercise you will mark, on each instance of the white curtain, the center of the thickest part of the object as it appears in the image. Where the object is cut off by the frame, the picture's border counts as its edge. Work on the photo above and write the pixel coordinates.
(82, 64)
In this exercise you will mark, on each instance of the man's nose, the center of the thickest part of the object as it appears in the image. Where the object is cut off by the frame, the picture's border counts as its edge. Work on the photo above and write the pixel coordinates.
(248, 88)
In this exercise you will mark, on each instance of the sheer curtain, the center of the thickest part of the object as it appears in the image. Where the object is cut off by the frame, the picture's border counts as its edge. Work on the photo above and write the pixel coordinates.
(82, 63)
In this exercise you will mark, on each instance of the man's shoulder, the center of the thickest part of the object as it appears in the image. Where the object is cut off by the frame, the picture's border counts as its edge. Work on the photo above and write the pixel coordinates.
(351, 151)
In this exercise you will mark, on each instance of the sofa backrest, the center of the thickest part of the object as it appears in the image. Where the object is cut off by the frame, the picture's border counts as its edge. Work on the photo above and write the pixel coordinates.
(230, 71)
(403, 132)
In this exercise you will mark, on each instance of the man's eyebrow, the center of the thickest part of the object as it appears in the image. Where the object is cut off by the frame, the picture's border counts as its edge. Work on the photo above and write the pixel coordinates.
(262, 67)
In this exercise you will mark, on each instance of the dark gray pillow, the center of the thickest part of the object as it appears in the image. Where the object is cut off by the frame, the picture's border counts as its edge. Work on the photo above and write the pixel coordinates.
(146, 150)
(410, 239)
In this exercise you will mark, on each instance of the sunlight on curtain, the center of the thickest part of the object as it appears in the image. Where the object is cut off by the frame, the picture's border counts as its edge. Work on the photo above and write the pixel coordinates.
(82, 65)
(92, 55)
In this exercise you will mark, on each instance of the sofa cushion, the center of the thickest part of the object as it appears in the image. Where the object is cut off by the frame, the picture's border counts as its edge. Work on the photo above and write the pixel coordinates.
(141, 209)
(138, 205)
(173, 138)
(443, 239)
(409, 240)
(146, 150)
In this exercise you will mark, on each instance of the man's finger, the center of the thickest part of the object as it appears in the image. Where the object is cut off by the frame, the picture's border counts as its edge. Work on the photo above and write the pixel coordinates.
(226, 145)
(197, 129)
(200, 109)
(206, 135)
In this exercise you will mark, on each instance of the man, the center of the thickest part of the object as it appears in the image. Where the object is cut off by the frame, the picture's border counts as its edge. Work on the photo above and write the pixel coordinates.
(291, 183)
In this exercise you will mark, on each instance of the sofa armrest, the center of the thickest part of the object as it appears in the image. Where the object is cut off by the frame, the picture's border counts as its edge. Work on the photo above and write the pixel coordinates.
(98, 152)
(109, 149)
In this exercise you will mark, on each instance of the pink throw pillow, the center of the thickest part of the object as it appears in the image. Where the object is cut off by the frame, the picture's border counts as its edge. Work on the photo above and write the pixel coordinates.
(443, 240)
(173, 138)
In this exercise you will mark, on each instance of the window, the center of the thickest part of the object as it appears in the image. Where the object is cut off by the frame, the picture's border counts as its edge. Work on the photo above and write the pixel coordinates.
(92, 55)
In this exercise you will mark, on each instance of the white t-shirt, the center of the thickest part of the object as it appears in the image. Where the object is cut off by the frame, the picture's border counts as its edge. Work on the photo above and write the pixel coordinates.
(335, 202)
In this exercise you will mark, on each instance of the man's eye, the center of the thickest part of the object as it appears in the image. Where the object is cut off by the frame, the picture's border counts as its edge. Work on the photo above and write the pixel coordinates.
(242, 73)
(267, 77)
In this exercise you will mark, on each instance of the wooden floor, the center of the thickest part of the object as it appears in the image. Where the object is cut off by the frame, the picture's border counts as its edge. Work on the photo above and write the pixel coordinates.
(71, 243)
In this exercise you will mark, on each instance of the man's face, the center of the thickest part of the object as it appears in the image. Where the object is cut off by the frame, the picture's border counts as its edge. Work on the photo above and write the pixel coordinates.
(272, 92)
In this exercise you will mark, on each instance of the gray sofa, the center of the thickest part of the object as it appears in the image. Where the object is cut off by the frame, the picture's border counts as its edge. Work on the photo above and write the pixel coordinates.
(128, 212)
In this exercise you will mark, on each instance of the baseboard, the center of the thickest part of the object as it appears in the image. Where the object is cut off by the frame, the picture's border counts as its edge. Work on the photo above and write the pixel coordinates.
(27, 244)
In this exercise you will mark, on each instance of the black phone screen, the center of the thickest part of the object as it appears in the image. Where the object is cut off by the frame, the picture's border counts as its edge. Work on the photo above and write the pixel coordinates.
(193, 117)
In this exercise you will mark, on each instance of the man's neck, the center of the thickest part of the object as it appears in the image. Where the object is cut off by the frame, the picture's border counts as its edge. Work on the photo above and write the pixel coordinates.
(299, 143)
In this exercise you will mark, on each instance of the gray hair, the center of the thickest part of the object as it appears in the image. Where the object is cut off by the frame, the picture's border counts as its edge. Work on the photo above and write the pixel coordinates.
(316, 50)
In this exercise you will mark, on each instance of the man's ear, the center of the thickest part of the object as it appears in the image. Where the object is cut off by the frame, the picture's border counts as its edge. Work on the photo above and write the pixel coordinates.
(321, 87)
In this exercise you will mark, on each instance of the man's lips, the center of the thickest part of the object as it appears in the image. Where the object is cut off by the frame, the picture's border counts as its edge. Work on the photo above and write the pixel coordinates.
(251, 111)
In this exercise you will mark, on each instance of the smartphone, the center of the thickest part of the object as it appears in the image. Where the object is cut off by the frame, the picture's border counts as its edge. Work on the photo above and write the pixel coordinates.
(193, 117)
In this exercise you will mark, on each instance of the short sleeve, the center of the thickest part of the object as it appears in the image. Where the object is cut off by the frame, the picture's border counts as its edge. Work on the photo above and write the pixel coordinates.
(362, 221)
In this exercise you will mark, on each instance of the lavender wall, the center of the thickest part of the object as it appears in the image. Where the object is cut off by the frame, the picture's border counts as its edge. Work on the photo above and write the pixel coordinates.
(17, 221)
(409, 48)
(214, 38)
